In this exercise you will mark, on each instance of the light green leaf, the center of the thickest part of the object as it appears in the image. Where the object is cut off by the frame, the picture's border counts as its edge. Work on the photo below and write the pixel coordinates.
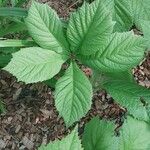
(145, 26)
(99, 135)
(121, 14)
(15, 12)
(16, 43)
(128, 12)
(73, 95)
(140, 10)
(134, 135)
(45, 27)
(123, 51)
(35, 64)
(89, 28)
(70, 142)
(129, 94)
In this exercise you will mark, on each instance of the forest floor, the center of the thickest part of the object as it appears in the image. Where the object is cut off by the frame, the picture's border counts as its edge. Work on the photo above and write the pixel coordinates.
(31, 118)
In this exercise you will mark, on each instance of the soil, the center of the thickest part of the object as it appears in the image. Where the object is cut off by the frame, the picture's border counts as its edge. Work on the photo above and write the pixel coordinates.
(31, 118)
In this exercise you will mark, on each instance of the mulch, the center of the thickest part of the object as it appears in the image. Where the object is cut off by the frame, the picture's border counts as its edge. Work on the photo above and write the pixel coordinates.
(31, 118)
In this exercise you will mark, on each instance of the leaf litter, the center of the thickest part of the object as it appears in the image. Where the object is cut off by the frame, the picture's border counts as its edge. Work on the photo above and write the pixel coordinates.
(31, 118)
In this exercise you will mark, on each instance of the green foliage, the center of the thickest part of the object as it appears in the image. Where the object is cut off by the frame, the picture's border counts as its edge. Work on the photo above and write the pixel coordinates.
(134, 135)
(139, 10)
(46, 28)
(73, 94)
(35, 64)
(89, 38)
(4, 59)
(12, 28)
(89, 28)
(129, 95)
(15, 12)
(14, 2)
(119, 54)
(127, 13)
(145, 27)
(7, 47)
(99, 135)
(121, 14)
(2, 107)
(16, 43)
(11, 22)
(70, 142)
(98, 35)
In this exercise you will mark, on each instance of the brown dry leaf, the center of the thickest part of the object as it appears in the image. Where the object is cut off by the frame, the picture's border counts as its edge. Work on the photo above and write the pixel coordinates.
(2, 144)
(46, 113)
(28, 143)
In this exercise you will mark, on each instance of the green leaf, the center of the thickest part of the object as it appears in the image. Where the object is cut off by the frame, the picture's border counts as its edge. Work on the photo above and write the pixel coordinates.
(4, 60)
(2, 107)
(21, 2)
(35, 64)
(46, 28)
(70, 142)
(52, 82)
(9, 50)
(12, 28)
(135, 135)
(126, 75)
(89, 28)
(140, 10)
(16, 43)
(145, 26)
(129, 95)
(123, 51)
(73, 95)
(15, 12)
(3, 3)
(121, 14)
(14, 2)
(99, 135)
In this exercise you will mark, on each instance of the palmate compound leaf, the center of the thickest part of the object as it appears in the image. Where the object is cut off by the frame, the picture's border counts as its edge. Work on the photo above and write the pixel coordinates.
(73, 95)
(134, 135)
(99, 135)
(70, 142)
(129, 95)
(89, 28)
(35, 64)
(46, 28)
(123, 51)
